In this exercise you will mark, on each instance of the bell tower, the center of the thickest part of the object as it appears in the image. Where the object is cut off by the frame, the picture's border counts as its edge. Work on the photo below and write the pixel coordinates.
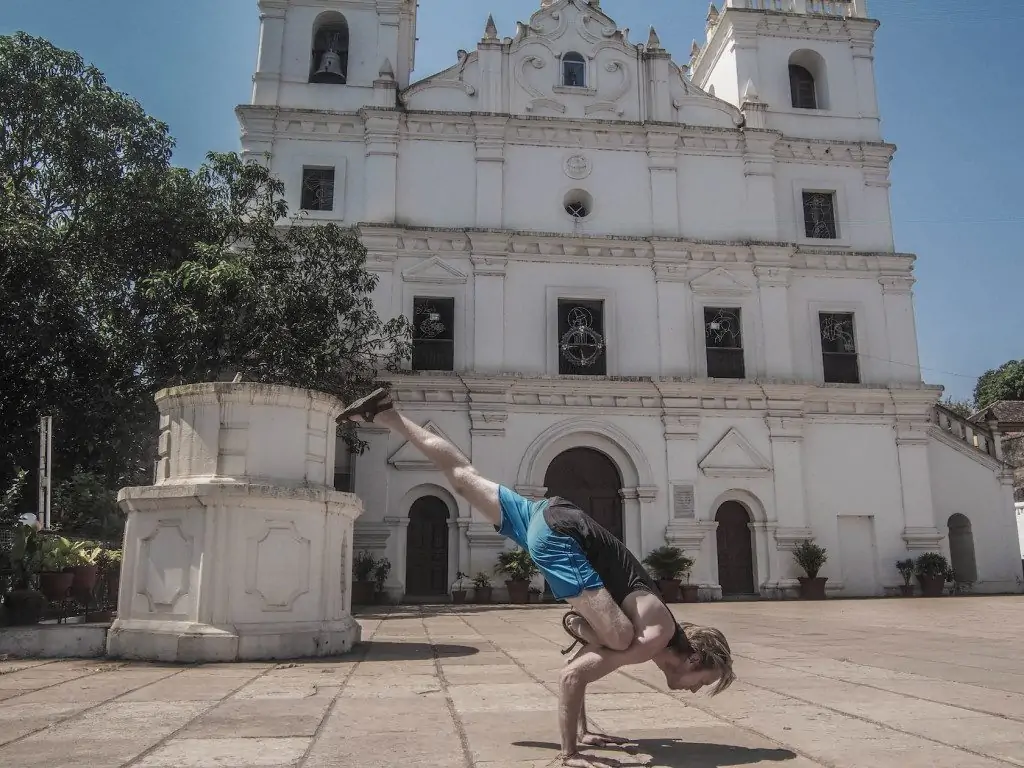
(809, 64)
(331, 54)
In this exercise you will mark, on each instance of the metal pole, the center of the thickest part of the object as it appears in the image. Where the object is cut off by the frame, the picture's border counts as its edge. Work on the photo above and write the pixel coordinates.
(42, 469)
(49, 466)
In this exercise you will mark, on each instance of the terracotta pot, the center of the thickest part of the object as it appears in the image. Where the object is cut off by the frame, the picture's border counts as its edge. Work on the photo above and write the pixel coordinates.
(906, 590)
(669, 590)
(691, 593)
(363, 592)
(518, 592)
(56, 584)
(459, 596)
(482, 594)
(812, 589)
(85, 577)
(24, 607)
(931, 586)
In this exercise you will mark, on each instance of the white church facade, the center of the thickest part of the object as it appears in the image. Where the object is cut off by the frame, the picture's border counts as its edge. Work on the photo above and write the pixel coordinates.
(666, 291)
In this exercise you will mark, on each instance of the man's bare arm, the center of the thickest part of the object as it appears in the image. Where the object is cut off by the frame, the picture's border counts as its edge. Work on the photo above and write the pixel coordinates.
(590, 666)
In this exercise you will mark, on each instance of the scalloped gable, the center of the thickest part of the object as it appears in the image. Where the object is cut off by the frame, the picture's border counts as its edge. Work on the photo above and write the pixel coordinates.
(408, 456)
(734, 456)
(551, 22)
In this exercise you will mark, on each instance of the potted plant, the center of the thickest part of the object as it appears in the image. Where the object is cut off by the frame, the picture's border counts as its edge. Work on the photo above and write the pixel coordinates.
(86, 571)
(906, 569)
(931, 569)
(362, 572)
(24, 605)
(668, 564)
(482, 588)
(533, 595)
(57, 556)
(458, 588)
(381, 571)
(520, 568)
(811, 558)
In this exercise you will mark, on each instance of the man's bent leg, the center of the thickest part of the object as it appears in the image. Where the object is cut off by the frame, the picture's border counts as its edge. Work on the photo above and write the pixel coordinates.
(480, 492)
(604, 620)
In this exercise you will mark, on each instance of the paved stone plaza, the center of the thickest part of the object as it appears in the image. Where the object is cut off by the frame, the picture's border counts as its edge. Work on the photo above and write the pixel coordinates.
(936, 683)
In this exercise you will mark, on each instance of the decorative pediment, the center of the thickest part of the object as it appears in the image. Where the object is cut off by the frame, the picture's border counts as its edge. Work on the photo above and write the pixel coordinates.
(719, 282)
(408, 457)
(434, 270)
(734, 456)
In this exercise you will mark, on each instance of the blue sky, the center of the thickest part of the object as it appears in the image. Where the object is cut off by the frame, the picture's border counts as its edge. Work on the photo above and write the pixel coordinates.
(949, 87)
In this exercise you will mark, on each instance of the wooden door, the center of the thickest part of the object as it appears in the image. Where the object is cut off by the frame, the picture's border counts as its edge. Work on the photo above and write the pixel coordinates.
(591, 481)
(735, 553)
(426, 570)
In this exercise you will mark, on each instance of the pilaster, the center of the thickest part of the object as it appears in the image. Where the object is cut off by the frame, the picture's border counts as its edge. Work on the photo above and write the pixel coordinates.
(675, 309)
(399, 527)
(901, 327)
(920, 529)
(773, 283)
(760, 213)
(490, 169)
(490, 260)
(381, 175)
(663, 164)
(267, 80)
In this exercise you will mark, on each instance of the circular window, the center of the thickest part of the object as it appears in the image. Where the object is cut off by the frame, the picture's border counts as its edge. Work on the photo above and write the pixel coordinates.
(579, 204)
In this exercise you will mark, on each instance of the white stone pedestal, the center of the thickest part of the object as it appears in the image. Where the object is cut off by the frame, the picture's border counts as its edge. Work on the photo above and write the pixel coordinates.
(241, 550)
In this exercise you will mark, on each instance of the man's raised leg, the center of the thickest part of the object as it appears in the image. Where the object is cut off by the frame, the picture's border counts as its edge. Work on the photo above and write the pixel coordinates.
(480, 492)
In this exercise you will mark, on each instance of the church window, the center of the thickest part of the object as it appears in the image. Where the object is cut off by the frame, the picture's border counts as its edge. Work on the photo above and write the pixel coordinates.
(582, 345)
(330, 50)
(820, 215)
(838, 348)
(802, 88)
(574, 71)
(723, 333)
(433, 336)
(579, 204)
(317, 189)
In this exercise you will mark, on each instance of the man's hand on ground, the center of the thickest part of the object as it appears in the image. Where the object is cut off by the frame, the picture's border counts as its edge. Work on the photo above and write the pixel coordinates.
(576, 760)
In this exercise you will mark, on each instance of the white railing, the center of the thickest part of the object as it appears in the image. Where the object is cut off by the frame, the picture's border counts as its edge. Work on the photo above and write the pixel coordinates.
(973, 434)
(856, 9)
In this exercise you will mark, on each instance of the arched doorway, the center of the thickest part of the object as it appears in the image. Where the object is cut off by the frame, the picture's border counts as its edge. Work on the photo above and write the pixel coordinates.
(592, 482)
(735, 550)
(426, 558)
(961, 548)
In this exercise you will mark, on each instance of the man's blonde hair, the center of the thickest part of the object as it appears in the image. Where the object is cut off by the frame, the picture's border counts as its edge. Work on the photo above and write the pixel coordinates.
(713, 649)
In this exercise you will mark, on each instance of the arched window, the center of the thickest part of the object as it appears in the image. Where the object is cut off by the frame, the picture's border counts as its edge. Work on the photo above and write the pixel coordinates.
(574, 71)
(808, 81)
(801, 85)
(330, 50)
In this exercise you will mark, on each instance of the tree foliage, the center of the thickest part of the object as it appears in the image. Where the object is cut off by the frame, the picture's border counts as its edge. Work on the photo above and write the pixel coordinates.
(1003, 383)
(120, 274)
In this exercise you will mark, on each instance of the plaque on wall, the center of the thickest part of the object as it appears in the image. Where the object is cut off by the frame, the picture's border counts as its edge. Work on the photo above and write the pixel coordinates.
(683, 506)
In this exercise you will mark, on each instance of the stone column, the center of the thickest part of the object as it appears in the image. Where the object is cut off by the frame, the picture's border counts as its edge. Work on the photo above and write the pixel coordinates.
(398, 555)
(675, 311)
(381, 173)
(490, 259)
(776, 328)
(267, 80)
(920, 531)
(898, 300)
(490, 170)
(794, 524)
(241, 549)
(663, 164)
(462, 541)
(631, 523)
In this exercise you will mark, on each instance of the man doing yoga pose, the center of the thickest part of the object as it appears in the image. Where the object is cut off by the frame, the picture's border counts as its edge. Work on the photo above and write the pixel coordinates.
(616, 611)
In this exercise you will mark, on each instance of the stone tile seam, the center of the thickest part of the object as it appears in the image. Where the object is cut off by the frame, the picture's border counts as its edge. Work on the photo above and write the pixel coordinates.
(112, 668)
(646, 684)
(460, 728)
(79, 713)
(364, 650)
(213, 705)
(886, 726)
(895, 693)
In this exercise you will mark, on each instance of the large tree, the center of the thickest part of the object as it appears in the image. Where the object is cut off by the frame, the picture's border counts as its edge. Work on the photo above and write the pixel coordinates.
(1003, 383)
(120, 274)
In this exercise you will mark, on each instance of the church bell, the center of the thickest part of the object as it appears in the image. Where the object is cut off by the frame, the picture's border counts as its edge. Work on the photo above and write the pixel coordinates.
(330, 69)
